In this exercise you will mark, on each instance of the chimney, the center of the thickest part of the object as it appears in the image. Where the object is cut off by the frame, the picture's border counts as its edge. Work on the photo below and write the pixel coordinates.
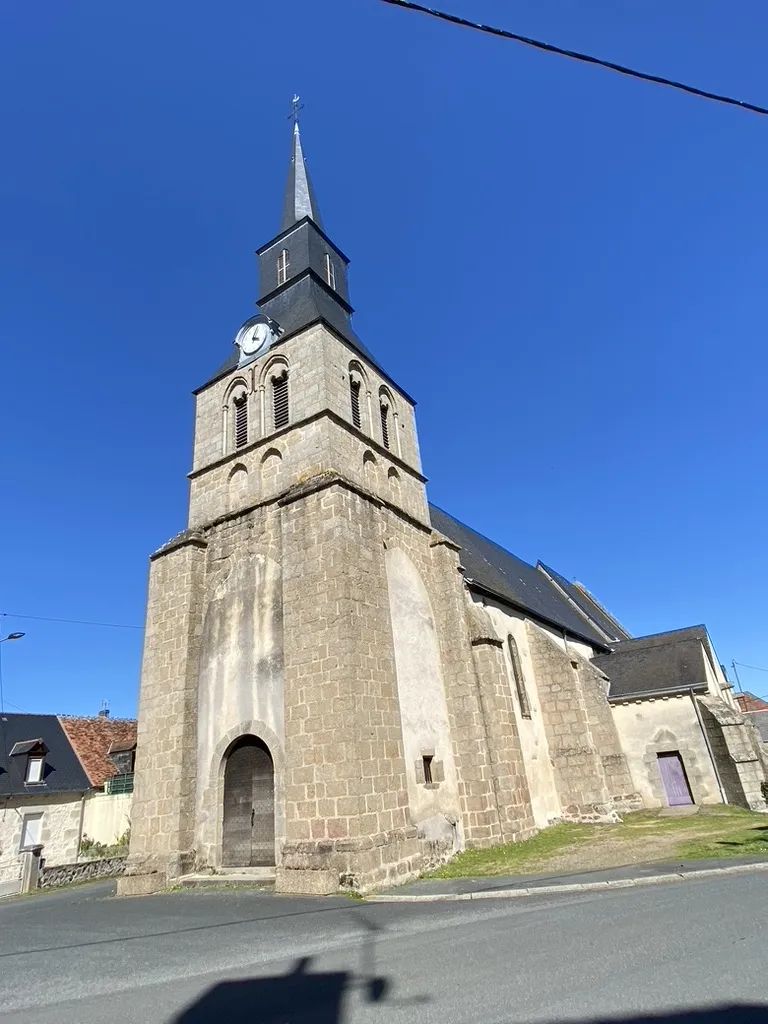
(104, 713)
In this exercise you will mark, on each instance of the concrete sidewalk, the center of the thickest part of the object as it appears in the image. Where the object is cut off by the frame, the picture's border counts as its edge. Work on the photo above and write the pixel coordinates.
(515, 886)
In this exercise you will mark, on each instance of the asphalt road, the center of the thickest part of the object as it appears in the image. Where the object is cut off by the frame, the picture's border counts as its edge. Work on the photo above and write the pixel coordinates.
(82, 957)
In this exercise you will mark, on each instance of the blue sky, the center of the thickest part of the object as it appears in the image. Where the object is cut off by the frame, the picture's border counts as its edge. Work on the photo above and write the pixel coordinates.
(565, 267)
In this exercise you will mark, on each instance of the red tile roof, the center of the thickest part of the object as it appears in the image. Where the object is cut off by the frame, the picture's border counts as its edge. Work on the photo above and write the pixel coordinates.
(749, 702)
(91, 739)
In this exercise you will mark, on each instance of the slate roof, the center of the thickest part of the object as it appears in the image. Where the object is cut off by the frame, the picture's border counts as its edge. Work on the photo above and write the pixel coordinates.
(92, 738)
(587, 605)
(664, 662)
(63, 771)
(300, 200)
(760, 719)
(509, 578)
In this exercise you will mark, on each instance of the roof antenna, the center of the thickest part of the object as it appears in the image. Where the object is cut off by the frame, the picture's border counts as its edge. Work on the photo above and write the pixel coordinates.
(104, 713)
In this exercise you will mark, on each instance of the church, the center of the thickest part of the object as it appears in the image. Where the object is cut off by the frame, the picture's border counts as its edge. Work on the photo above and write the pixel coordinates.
(343, 685)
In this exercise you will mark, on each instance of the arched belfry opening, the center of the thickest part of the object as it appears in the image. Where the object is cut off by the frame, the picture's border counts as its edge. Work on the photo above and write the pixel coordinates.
(248, 834)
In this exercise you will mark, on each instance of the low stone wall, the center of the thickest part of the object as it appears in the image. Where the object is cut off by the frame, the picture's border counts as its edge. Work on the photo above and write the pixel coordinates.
(64, 874)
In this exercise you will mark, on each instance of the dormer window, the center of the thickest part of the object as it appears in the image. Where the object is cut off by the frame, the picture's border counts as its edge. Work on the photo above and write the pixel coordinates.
(330, 271)
(283, 262)
(34, 751)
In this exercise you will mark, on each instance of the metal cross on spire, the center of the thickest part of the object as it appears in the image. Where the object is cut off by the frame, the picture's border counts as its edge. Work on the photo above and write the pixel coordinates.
(294, 114)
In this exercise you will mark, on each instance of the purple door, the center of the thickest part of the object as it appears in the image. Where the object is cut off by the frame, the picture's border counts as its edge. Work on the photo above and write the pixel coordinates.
(675, 782)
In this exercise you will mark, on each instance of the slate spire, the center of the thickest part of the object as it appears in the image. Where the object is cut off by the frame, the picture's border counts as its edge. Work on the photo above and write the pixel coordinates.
(300, 198)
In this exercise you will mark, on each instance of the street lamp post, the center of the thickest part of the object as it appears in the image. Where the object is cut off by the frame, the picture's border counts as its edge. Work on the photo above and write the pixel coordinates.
(11, 636)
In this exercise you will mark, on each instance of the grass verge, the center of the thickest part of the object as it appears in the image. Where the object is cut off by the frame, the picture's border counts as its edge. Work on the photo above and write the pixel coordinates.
(641, 838)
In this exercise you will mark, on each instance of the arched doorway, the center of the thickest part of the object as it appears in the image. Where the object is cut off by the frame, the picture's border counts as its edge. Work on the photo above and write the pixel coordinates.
(248, 836)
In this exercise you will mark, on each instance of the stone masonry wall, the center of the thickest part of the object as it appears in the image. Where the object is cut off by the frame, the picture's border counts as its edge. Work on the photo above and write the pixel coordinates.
(345, 792)
(738, 759)
(240, 688)
(65, 874)
(478, 799)
(60, 831)
(318, 365)
(162, 818)
(605, 736)
(268, 466)
(579, 773)
(505, 766)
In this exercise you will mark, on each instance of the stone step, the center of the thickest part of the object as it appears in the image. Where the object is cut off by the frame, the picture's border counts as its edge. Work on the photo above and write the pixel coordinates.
(263, 878)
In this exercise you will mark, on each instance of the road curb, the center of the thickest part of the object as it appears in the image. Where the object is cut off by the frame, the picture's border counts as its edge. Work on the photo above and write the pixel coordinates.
(571, 887)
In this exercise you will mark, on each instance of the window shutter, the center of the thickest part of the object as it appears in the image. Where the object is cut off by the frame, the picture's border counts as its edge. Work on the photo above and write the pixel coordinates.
(241, 421)
(280, 400)
(354, 394)
(385, 425)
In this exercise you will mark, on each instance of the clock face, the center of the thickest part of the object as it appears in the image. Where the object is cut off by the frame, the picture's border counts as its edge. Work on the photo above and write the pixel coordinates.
(253, 339)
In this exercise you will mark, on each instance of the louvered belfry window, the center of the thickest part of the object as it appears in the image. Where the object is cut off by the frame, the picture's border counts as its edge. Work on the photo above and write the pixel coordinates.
(354, 396)
(385, 425)
(330, 271)
(241, 421)
(517, 672)
(280, 400)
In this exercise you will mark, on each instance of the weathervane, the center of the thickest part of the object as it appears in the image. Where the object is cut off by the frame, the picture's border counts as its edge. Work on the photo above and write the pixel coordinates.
(294, 114)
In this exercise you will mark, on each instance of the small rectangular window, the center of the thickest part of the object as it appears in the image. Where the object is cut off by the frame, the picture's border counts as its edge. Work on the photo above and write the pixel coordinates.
(427, 759)
(241, 421)
(283, 262)
(354, 394)
(330, 271)
(31, 830)
(123, 760)
(280, 401)
(35, 769)
(385, 425)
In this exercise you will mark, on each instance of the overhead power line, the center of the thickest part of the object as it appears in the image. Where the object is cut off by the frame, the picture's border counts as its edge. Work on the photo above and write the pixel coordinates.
(755, 667)
(586, 58)
(73, 622)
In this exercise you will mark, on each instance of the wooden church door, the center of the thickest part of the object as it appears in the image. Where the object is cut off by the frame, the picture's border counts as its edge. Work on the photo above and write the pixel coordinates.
(249, 806)
(675, 782)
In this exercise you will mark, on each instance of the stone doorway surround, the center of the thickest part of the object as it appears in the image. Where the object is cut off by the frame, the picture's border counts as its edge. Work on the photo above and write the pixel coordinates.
(212, 800)
(665, 742)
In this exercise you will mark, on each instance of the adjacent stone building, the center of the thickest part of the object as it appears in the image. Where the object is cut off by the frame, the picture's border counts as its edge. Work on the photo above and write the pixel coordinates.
(340, 680)
(62, 780)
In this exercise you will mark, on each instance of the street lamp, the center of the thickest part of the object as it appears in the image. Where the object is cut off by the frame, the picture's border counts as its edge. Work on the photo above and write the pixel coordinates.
(11, 636)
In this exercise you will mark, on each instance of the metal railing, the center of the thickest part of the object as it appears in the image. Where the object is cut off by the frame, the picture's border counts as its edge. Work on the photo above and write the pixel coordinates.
(119, 784)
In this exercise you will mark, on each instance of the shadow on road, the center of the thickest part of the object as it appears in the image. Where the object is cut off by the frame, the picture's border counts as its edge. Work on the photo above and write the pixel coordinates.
(299, 996)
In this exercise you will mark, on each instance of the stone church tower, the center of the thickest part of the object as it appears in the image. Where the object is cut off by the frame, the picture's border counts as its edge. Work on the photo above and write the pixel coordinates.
(319, 690)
